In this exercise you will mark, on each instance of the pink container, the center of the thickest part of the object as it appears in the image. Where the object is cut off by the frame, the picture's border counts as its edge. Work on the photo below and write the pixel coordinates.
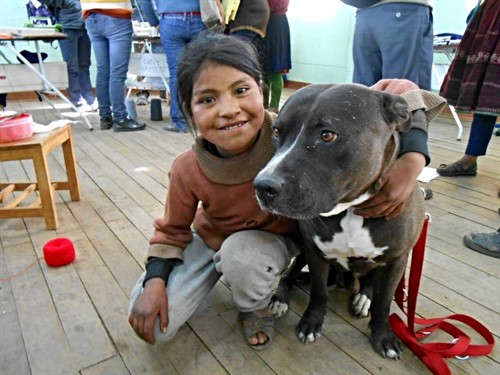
(16, 127)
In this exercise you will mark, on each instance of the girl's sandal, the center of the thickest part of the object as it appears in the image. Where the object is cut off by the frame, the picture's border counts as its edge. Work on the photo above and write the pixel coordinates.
(258, 321)
(457, 169)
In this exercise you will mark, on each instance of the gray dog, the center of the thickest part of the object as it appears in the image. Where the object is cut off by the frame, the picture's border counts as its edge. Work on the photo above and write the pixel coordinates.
(334, 142)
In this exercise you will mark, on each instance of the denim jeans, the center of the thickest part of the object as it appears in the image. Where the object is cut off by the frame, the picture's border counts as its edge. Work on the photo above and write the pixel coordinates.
(394, 40)
(112, 41)
(176, 31)
(76, 53)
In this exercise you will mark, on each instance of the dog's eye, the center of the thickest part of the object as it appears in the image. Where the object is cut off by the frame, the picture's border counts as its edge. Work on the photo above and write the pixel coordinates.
(276, 132)
(328, 136)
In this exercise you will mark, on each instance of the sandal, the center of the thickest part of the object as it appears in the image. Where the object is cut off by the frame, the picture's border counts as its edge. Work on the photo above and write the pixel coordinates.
(484, 243)
(457, 169)
(258, 321)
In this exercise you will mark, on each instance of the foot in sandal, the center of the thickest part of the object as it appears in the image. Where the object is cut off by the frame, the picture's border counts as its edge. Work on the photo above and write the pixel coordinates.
(258, 328)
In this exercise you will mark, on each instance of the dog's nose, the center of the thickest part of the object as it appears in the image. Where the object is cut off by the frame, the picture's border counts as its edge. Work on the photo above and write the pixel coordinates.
(268, 188)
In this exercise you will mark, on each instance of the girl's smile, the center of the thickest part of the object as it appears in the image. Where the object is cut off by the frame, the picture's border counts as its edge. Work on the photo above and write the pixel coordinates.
(227, 107)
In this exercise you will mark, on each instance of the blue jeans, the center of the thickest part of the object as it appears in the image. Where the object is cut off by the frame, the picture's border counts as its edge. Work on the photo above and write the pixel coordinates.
(76, 53)
(112, 41)
(176, 31)
(394, 40)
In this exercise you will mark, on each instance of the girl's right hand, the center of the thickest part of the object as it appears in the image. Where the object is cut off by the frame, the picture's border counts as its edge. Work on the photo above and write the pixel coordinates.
(152, 302)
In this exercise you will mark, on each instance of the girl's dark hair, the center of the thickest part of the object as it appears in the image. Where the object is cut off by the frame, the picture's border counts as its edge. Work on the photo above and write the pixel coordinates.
(211, 47)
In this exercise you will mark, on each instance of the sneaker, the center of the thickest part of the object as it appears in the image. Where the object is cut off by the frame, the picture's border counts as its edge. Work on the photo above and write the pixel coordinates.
(106, 123)
(484, 243)
(127, 125)
(170, 127)
(142, 98)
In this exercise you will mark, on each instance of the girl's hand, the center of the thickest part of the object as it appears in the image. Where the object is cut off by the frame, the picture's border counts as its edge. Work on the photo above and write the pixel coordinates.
(395, 86)
(152, 302)
(397, 186)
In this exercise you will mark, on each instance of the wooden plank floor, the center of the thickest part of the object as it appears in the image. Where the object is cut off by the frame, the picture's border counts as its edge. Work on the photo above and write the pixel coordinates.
(73, 319)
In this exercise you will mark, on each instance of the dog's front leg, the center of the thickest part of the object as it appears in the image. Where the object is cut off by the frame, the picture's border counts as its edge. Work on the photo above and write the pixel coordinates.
(309, 328)
(385, 282)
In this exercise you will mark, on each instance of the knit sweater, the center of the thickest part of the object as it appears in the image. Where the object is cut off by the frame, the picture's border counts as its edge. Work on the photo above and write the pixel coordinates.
(215, 195)
(113, 8)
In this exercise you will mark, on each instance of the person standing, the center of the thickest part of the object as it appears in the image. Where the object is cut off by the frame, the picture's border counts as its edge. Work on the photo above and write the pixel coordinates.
(76, 51)
(393, 39)
(277, 55)
(180, 22)
(472, 84)
(109, 25)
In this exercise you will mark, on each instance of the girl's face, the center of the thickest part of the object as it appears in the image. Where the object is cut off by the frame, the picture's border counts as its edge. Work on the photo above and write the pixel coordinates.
(227, 107)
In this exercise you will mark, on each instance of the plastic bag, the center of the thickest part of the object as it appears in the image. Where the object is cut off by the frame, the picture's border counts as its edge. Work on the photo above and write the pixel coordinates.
(210, 13)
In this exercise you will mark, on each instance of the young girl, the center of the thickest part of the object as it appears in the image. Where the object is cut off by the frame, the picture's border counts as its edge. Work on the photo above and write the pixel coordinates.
(213, 225)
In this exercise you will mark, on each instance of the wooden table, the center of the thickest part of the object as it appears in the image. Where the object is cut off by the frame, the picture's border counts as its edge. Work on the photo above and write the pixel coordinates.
(37, 148)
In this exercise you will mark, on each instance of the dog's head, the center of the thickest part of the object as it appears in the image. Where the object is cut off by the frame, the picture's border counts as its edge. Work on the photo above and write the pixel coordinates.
(330, 145)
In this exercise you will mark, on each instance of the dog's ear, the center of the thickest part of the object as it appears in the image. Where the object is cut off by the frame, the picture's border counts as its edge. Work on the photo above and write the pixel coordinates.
(396, 111)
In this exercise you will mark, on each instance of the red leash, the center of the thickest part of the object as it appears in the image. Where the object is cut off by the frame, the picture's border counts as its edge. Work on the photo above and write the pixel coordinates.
(433, 354)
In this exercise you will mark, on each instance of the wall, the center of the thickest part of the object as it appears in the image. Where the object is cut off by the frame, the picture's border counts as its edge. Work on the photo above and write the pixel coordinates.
(321, 32)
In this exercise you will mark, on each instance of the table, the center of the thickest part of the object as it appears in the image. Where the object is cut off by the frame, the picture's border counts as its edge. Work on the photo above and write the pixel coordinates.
(8, 37)
(37, 148)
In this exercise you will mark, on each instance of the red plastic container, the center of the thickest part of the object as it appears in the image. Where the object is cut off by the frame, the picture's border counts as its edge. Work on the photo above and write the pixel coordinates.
(16, 127)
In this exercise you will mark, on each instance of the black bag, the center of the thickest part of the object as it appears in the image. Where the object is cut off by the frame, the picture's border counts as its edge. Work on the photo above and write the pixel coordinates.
(361, 3)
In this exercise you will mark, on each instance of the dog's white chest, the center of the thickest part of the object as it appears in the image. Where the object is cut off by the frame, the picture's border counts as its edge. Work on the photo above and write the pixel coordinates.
(352, 241)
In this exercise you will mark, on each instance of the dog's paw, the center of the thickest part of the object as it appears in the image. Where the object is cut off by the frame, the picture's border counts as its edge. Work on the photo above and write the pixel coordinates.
(278, 308)
(361, 305)
(308, 332)
(388, 346)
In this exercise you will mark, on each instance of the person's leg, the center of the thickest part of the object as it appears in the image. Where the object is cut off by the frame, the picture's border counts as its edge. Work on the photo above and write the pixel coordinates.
(119, 33)
(188, 285)
(176, 31)
(95, 25)
(69, 51)
(480, 135)
(84, 51)
(251, 262)
(276, 88)
(366, 54)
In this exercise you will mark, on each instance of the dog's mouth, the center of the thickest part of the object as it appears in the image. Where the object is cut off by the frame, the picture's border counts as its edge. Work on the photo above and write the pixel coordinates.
(289, 209)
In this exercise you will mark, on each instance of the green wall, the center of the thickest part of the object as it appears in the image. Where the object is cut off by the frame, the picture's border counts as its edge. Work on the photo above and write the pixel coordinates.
(321, 32)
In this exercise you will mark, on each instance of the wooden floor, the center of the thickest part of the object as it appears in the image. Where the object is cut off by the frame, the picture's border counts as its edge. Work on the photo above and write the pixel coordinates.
(73, 319)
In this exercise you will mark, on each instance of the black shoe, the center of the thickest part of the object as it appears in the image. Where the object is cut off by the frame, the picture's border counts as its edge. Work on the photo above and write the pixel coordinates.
(127, 125)
(106, 123)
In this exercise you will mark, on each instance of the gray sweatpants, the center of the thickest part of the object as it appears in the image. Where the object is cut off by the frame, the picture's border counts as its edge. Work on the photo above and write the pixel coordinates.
(251, 262)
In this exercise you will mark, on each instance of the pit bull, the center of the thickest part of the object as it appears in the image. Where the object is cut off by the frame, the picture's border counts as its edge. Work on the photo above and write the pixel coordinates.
(333, 143)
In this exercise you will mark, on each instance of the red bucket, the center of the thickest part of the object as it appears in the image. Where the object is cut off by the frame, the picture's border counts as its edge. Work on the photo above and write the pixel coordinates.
(13, 128)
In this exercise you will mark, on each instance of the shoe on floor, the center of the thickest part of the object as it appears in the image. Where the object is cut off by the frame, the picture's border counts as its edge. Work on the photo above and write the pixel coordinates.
(106, 123)
(484, 243)
(127, 125)
(142, 98)
(168, 126)
(456, 169)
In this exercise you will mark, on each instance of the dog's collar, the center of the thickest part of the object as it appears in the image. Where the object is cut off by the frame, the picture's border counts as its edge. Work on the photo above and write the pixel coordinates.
(341, 207)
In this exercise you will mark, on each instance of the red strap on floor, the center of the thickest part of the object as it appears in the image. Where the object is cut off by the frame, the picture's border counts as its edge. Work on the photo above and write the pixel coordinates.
(433, 354)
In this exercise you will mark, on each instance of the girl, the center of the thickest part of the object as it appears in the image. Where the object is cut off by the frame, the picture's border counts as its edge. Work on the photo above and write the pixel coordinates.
(220, 88)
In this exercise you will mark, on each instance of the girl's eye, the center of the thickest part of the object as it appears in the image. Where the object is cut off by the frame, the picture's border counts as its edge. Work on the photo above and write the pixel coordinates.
(328, 136)
(241, 90)
(207, 100)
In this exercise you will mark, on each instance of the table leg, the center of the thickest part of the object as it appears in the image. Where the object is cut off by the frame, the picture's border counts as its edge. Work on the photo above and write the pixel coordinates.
(45, 189)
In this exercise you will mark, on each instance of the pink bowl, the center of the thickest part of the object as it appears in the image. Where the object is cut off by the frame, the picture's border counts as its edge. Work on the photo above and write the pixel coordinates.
(15, 128)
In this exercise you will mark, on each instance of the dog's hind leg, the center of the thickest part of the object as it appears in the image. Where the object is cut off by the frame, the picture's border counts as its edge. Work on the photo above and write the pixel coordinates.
(280, 300)
(361, 301)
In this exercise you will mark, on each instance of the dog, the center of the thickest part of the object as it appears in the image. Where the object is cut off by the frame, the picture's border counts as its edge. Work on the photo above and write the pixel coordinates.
(333, 143)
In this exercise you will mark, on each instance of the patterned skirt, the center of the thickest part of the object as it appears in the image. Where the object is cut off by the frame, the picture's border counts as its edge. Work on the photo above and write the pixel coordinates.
(473, 79)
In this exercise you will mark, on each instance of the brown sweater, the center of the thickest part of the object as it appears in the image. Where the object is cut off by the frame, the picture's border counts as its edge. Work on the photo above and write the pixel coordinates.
(217, 196)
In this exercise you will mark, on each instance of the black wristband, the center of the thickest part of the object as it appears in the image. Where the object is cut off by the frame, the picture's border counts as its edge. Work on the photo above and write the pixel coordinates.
(159, 267)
